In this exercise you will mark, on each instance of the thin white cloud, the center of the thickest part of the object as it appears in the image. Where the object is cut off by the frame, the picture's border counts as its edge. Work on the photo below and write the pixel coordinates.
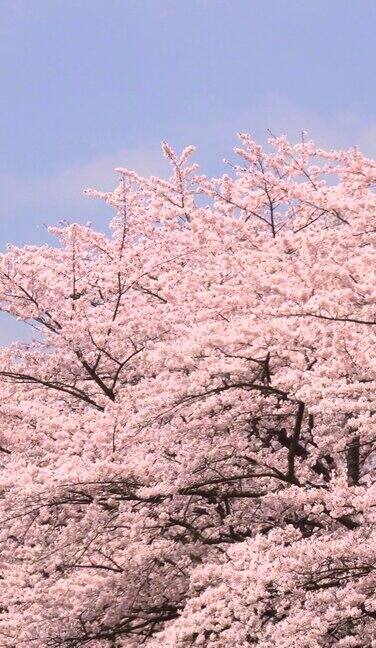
(282, 116)
(69, 183)
(100, 173)
(35, 202)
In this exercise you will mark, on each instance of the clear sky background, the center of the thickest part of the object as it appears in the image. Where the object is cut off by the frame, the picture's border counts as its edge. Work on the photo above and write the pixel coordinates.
(88, 85)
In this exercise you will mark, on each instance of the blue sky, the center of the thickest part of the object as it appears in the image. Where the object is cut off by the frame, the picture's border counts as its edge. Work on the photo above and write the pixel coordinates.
(87, 85)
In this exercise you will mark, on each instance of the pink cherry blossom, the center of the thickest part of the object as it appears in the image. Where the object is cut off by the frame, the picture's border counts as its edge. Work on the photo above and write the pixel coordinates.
(188, 446)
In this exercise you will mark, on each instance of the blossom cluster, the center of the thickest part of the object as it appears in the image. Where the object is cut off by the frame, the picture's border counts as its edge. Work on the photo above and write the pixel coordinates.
(187, 447)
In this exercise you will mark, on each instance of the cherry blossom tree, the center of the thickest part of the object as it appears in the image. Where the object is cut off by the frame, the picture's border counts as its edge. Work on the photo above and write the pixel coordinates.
(187, 447)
